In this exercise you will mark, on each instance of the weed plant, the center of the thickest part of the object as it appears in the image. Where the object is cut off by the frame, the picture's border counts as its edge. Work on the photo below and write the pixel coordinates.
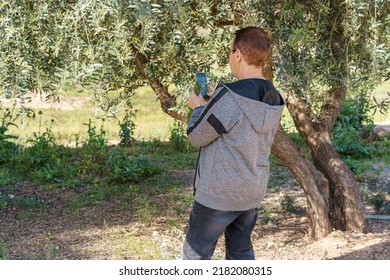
(288, 203)
(124, 168)
(382, 150)
(20, 202)
(126, 132)
(8, 149)
(94, 152)
(377, 201)
(3, 251)
(266, 216)
(4, 201)
(179, 137)
(52, 252)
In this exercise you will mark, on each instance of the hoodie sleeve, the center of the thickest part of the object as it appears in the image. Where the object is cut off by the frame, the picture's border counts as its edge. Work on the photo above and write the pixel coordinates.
(208, 123)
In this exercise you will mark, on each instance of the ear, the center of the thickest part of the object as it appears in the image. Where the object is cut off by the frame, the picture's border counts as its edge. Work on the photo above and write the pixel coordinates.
(238, 55)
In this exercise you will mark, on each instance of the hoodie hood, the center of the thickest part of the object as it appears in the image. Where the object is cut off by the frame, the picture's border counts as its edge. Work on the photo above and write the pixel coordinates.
(261, 103)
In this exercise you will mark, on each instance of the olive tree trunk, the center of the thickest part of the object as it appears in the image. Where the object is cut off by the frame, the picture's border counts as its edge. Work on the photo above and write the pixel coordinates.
(313, 183)
(345, 207)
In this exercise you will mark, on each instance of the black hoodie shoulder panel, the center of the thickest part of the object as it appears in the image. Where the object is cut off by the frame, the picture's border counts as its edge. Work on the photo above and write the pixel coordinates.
(257, 89)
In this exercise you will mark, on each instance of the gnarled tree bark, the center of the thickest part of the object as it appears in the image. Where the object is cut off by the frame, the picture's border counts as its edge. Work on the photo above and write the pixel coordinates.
(346, 209)
(313, 183)
(167, 101)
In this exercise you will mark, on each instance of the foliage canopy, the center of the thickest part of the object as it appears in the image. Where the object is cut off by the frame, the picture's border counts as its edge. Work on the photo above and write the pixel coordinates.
(49, 45)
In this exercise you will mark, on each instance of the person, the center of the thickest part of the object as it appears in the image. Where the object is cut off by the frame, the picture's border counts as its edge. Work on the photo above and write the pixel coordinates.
(235, 132)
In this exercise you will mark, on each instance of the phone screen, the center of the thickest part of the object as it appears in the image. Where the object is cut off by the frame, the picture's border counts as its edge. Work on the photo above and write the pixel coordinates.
(202, 80)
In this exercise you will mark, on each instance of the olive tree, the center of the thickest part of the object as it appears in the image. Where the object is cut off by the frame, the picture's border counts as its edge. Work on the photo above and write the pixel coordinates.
(326, 50)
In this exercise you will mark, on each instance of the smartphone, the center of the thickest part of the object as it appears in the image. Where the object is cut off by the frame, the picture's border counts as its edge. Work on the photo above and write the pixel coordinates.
(202, 80)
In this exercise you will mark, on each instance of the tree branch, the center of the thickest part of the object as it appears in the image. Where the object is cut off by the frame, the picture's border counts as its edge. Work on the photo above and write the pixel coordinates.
(330, 110)
(298, 110)
(238, 18)
(313, 182)
(167, 101)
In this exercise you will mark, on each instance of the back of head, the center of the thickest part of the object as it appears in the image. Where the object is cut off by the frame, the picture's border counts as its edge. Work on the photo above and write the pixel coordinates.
(254, 43)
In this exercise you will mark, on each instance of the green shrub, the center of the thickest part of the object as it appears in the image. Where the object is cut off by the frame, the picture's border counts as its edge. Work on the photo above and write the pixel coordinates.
(356, 112)
(7, 149)
(348, 142)
(52, 163)
(359, 167)
(3, 251)
(126, 132)
(94, 153)
(377, 201)
(354, 120)
(124, 168)
(95, 141)
(288, 203)
(178, 137)
(382, 149)
(40, 153)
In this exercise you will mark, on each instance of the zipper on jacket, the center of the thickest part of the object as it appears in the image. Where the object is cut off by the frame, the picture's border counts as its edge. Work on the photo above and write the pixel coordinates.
(197, 172)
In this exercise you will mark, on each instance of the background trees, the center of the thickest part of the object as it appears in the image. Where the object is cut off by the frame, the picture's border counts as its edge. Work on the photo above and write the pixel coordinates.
(323, 51)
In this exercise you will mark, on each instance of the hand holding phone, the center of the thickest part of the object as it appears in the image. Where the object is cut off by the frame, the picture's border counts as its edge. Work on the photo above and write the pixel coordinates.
(201, 81)
(195, 100)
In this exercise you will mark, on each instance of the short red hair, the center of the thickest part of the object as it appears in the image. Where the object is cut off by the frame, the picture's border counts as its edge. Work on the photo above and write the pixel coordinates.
(254, 43)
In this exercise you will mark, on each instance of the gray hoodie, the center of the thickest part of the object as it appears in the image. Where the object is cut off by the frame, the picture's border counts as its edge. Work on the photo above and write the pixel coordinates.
(235, 132)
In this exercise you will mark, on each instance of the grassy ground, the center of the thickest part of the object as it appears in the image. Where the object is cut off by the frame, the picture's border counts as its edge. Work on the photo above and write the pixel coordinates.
(104, 186)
